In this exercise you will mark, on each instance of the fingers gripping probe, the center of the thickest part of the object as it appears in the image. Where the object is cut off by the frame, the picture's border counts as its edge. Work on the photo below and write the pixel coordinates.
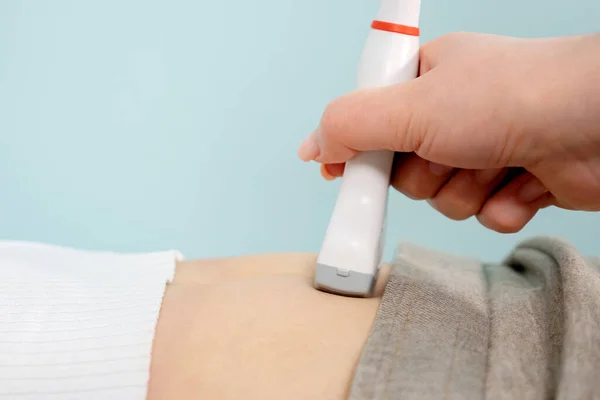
(351, 253)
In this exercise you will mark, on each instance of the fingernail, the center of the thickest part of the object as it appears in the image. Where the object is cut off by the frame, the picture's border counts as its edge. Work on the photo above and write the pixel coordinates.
(309, 149)
(514, 213)
(508, 217)
(325, 173)
(487, 176)
(439, 169)
(531, 190)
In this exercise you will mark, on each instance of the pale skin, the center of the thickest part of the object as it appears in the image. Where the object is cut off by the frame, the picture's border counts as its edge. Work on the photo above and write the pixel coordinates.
(254, 327)
(483, 108)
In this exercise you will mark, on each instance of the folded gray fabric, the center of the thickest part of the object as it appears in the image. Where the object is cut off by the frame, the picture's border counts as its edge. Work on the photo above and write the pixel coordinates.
(453, 327)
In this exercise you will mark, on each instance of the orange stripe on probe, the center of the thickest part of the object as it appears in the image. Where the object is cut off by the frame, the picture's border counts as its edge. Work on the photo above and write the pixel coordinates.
(396, 28)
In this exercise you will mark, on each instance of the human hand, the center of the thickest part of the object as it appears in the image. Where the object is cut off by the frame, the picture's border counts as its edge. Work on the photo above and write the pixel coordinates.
(483, 108)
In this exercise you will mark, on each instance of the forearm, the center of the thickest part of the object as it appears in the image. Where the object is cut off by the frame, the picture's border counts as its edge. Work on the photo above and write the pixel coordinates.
(254, 328)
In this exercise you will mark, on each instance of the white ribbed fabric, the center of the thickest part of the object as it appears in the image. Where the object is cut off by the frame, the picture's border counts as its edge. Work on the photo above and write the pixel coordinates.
(77, 324)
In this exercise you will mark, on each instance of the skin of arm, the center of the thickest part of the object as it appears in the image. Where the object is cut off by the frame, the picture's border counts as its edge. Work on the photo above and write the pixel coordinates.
(254, 327)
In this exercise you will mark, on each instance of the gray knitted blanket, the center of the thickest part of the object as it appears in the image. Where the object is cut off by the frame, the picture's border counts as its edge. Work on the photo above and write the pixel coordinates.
(454, 328)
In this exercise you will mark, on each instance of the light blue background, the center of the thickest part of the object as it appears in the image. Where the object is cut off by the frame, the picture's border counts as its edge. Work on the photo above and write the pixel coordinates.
(136, 125)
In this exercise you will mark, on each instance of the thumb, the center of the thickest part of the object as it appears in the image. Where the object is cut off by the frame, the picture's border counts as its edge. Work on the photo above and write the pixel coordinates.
(367, 119)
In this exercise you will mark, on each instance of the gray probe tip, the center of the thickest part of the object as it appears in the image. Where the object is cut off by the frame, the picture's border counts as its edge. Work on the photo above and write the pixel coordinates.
(343, 282)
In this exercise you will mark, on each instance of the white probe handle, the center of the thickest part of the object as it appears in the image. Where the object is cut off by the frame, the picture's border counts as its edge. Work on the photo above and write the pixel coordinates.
(355, 237)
